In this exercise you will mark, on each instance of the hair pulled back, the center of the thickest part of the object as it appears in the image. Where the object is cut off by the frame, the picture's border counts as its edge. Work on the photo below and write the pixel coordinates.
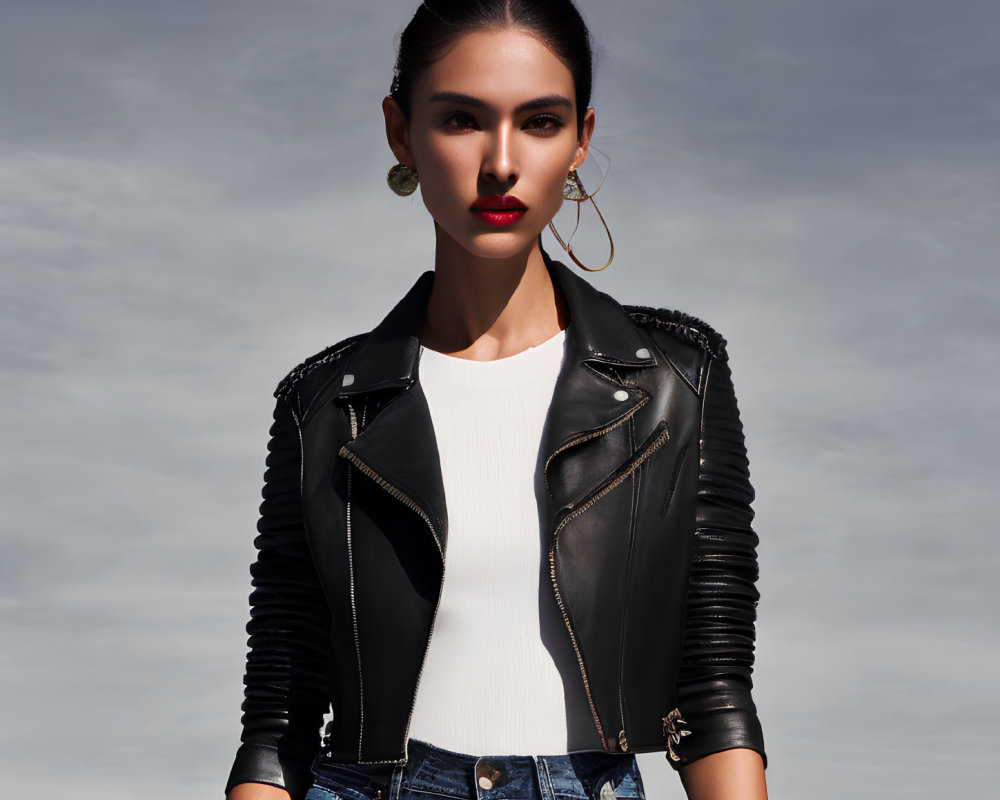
(438, 24)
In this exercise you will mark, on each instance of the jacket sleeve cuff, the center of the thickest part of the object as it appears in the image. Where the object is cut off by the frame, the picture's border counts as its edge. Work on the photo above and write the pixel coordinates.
(259, 763)
(719, 716)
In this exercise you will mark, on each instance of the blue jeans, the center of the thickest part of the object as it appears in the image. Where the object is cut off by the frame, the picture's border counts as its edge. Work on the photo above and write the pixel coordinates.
(435, 774)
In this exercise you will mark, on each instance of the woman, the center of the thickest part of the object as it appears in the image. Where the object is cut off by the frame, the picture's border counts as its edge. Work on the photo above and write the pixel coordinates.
(599, 598)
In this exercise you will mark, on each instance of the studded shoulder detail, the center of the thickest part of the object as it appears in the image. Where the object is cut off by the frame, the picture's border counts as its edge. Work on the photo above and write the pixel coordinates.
(330, 355)
(683, 326)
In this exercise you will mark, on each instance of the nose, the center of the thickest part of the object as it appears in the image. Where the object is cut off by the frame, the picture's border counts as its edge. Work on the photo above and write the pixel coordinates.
(499, 158)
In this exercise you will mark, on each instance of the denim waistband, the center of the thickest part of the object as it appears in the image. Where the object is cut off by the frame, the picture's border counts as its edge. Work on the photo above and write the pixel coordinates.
(432, 772)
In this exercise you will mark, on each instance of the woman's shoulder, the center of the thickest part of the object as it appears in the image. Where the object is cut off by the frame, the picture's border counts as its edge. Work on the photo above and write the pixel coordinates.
(317, 370)
(689, 343)
(679, 326)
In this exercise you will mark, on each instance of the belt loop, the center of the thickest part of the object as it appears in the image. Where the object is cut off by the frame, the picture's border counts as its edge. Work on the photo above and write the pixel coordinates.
(395, 783)
(545, 788)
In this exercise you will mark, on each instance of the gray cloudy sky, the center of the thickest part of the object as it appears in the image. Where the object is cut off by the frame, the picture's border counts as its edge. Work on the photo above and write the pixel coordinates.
(192, 200)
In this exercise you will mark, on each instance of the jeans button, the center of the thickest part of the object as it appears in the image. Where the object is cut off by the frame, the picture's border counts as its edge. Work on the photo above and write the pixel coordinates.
(487, 776)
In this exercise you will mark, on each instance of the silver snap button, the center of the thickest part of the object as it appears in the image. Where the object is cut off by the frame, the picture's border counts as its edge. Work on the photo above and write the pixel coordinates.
(485, 783)
(621, 394)
(642, 352)
(348, 379)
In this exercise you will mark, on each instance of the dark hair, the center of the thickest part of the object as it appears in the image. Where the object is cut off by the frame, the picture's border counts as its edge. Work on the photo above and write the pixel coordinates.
(438, 24)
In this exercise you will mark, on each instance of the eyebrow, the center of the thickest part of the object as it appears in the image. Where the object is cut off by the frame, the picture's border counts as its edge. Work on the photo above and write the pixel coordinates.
(474, 102)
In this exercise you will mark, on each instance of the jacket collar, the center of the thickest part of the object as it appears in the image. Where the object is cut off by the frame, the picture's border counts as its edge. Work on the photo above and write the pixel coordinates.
(398, 446)
(602, 333)
(602, 330)
(388, 357)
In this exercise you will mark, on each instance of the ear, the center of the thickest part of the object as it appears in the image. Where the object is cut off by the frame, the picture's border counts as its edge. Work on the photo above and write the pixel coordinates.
(586, 131)
(396, 133)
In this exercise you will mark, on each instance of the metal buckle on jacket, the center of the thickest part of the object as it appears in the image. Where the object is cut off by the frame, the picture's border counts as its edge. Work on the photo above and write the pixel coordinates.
(673, 733)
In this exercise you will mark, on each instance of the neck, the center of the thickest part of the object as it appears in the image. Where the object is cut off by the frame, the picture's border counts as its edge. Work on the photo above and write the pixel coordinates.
(486, 308)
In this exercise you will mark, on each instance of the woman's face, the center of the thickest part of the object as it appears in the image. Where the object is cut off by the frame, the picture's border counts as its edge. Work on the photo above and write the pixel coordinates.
(492, 135)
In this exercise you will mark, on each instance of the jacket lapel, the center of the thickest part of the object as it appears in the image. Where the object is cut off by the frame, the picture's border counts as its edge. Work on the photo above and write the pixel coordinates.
(395, 444)
(596, 394)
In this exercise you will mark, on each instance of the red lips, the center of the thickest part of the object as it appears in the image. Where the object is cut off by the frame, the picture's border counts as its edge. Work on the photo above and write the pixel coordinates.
(499, 210)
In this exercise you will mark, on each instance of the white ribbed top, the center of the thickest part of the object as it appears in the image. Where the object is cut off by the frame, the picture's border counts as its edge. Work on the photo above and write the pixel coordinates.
(488, 685)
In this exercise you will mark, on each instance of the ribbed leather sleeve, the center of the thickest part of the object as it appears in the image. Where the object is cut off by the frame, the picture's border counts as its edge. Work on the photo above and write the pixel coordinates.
(286, 678)
(717, 659)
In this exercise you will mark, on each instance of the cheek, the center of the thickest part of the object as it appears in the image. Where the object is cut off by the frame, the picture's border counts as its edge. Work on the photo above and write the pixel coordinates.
(446, 166)
(553, 178)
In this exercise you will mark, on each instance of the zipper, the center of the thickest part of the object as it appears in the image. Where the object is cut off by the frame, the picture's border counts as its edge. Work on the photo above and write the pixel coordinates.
(588, 436)
(661, 436)
(354, 608)
(576, 646)
(622, 737)
(393, 491)
(410, 504)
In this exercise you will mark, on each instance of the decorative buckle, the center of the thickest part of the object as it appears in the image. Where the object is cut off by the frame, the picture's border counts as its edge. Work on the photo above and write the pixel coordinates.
(672, 733)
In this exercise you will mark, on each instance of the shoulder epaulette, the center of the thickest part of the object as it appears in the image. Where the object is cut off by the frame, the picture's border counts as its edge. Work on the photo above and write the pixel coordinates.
(684, 326)
(329, 355)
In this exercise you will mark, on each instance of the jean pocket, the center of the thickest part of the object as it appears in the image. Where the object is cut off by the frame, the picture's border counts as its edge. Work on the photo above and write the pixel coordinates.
(627, 786)
(631, 786)
(337, 782)
(321, 791)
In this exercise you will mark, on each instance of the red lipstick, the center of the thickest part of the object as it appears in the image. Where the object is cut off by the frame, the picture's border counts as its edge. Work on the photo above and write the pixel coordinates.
(499, 210)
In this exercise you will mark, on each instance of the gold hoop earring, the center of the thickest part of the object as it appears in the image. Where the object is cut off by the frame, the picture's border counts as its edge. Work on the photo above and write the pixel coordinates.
(403, 180)
(573, 190)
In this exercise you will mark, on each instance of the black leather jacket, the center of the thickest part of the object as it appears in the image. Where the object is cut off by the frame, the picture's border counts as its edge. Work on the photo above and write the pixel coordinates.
(644, 499)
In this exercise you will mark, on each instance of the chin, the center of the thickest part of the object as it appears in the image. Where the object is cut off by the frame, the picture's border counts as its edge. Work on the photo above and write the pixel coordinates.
(500, 245)
(496, 242)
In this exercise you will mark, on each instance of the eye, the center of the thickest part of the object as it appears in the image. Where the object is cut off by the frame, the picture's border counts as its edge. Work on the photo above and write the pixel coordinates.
(545, 123)
(459, 121)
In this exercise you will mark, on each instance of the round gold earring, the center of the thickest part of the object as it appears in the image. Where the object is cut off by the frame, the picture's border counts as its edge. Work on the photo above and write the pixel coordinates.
(403, 180)
(573, 190)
